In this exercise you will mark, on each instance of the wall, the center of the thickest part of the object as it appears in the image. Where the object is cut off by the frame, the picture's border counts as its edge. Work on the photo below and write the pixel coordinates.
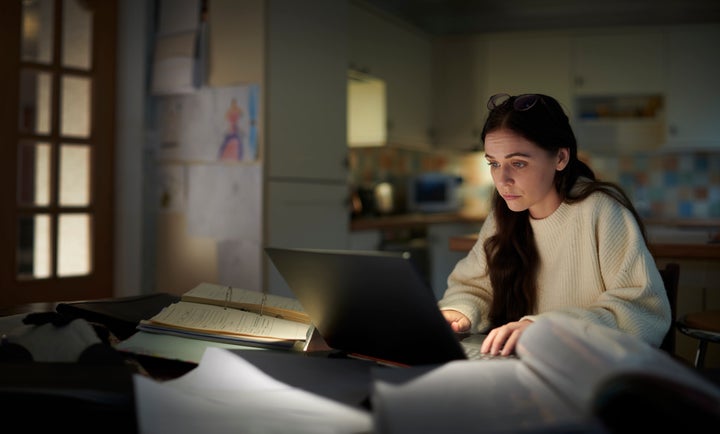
(669, 184)
(131, 244)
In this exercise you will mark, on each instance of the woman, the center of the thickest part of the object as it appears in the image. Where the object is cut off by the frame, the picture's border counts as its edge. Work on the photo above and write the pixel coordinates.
(557, 243)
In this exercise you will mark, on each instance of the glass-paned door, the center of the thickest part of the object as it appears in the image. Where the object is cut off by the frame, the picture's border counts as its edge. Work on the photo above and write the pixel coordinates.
(56, 149)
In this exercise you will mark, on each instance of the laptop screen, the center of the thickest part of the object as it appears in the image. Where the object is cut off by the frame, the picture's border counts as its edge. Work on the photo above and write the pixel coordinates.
(369, 303)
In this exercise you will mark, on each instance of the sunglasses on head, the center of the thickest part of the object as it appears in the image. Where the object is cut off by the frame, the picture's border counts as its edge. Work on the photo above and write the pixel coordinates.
(521, 103)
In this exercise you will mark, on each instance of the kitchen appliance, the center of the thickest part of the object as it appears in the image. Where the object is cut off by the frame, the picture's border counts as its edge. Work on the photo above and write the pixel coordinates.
(434, 192)
(378, 199)
(384, 195)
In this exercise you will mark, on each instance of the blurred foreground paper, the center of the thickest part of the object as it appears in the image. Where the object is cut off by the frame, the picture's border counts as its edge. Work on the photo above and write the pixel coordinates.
(226, 393)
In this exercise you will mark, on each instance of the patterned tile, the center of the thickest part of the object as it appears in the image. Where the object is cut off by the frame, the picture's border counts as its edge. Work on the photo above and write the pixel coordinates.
(685, 185)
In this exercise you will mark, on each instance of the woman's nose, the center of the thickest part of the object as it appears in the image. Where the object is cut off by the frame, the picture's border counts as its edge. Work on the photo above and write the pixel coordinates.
(503, 176)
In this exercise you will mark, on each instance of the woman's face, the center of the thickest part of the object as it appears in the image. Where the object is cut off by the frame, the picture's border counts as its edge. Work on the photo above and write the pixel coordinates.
(524, 173)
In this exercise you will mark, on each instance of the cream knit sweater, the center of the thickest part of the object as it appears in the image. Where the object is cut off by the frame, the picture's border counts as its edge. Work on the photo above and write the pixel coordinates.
(594, 266)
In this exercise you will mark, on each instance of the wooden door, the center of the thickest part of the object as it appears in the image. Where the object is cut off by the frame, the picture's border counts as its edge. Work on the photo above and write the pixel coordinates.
(57, 82)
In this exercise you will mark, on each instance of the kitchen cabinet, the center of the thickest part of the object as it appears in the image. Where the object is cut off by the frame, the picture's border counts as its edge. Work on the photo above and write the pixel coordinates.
(529, 62)
(618, 81)
(306, 192)
(401, 56)
(618, 124)
(693, 87)
(457, 92)
(468, 70)
(304, 214)
(619, 61)
(306, 90)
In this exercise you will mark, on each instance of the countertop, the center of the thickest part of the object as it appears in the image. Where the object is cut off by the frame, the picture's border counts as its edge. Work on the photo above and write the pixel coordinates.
(664, 234)
(710, 251)
(414, 220)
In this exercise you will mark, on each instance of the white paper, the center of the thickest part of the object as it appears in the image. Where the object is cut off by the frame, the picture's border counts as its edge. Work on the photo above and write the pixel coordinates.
(225, 394)
(224, 202)
(177, 62)
(472, 396)
(576, 357)
(171, 191)
(174, 75)
(210, 124)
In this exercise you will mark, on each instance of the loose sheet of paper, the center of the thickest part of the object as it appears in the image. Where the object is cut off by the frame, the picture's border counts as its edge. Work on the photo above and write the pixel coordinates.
(470, 396)
(576, 357)
(225, 393)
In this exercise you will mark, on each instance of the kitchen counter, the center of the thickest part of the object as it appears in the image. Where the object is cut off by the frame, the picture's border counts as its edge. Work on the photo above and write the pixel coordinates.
(710, 251)
(414, 220)
(663, 233)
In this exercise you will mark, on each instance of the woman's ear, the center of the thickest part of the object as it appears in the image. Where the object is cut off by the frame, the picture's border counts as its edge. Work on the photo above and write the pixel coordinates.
(563, 158)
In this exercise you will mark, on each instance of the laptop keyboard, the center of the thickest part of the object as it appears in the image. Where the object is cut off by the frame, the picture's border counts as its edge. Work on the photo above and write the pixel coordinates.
(473, 353)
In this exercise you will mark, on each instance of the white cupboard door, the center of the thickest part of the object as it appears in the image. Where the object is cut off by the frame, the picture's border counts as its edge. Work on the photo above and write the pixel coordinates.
(402, 57)
(620, 62)
(305, 215)
(693, 112)
(306, 89)
(457, 93)
(520, 63)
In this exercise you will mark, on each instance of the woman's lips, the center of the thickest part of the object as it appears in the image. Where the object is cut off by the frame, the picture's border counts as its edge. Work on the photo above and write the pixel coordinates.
(510, 196)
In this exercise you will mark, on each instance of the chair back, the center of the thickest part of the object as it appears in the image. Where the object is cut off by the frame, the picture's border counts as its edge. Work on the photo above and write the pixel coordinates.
(670, 276)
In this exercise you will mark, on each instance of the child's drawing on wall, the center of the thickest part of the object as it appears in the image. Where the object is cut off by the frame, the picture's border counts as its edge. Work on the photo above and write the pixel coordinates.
(253, 96)
(232, 145)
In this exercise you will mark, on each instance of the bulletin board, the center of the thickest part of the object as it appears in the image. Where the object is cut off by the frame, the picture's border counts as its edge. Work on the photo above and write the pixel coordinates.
(209, 174)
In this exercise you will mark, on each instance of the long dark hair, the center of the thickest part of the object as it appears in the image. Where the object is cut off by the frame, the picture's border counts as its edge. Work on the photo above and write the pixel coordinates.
(512, 255)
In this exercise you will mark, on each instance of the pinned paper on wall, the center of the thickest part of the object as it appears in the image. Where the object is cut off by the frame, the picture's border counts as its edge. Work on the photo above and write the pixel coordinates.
(179, 56)
(212, 124)
(171, 187)
(175, 64)
(224, 202)
(240, 139)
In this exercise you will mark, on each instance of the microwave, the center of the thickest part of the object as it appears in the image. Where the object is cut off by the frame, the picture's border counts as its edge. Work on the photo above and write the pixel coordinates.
(434, 192)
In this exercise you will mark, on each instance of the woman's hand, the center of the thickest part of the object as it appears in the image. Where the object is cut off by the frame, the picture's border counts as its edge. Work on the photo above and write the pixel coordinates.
(502, 340)
(458, 322)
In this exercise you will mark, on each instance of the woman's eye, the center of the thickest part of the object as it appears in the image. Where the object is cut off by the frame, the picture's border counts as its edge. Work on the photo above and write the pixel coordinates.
(519, 164)
(493, 164)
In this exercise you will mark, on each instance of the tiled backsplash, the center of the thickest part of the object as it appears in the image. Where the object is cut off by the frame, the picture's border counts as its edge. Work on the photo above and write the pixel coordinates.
(662, 184)
(370, 165)
(667, 185)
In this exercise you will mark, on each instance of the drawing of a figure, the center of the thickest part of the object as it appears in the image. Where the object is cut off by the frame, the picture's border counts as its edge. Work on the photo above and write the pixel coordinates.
(232, 146)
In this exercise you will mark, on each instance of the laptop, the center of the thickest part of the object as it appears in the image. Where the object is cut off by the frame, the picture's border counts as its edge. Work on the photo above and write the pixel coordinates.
(371, 304)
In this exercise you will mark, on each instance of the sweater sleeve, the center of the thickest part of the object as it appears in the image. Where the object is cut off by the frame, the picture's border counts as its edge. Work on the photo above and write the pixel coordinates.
(634, 298)
(469, 291)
